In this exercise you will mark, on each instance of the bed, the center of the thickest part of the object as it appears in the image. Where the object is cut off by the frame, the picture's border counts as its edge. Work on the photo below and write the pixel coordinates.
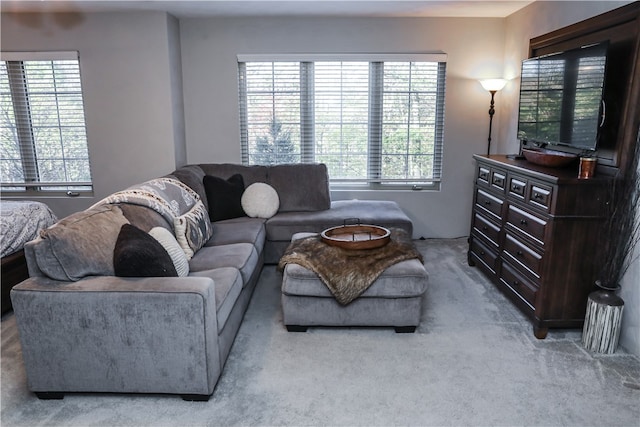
(21, 222)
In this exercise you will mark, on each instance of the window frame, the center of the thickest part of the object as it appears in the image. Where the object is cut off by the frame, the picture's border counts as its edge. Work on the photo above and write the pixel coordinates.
(23, 117)
(376, 89)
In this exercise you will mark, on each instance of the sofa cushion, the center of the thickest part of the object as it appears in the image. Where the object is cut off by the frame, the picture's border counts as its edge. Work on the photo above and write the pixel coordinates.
(301, 187)
(192, 176)
(405, 279)
(138, 254)
(250, 174)
(224, 196)
(81, 244)
(242, 256)
(193, 229)
(260, 200)
(239, 230)
(168, 241)
(377, 212)
(228, 285)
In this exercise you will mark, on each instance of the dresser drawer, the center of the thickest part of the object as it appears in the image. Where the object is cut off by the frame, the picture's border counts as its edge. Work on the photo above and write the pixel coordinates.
(540, 195)
(498, 180)
(519, 253)
(484, 254)
(482, 176)
(517, 186)
(486, 228)
(530, 224)
(491, 203)
(520, 284)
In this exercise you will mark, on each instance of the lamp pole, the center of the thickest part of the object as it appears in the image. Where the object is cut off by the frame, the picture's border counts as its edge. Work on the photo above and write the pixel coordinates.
(492, 111)
(492, 86)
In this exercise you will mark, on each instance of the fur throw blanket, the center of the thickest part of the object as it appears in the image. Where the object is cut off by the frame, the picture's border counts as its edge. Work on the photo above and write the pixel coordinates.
(348, 273)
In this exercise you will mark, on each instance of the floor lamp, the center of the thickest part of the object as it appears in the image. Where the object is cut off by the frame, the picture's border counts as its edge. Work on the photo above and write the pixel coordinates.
(492, 85)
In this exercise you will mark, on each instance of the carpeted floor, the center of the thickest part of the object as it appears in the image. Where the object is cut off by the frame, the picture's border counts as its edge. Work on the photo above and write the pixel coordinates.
(473, 361)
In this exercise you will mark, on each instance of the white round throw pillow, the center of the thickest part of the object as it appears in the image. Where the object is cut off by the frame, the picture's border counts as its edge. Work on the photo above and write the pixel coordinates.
(260, 200)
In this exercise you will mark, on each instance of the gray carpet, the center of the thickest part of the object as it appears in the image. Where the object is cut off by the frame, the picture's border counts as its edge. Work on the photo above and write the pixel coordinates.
(472, 361)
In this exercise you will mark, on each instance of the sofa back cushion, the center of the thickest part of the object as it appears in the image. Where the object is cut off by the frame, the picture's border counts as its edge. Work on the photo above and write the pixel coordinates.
(81, 244)
(301, 187)
(250, 174)
(192, 176)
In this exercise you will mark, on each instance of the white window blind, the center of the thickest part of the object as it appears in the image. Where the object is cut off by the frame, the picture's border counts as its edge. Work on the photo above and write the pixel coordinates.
(271, 114)
(371, 120)
(42, 124)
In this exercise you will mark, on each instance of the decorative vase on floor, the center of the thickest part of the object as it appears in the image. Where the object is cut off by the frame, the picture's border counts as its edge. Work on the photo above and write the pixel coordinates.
(602, 322)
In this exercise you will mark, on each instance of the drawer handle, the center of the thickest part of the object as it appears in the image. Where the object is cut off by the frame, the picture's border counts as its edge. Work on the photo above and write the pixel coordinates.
(485, 228)
(520, 253)
(487, 202)
(483, 253)
(516, 188)
(516, 283)
(537, 196)
(523, 222)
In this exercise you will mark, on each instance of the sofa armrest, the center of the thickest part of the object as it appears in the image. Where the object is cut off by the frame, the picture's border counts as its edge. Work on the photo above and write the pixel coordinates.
(115, 284)
(114, 334)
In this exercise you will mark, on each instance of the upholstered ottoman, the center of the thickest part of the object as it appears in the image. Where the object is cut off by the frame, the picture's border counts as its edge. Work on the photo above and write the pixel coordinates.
(394, 299)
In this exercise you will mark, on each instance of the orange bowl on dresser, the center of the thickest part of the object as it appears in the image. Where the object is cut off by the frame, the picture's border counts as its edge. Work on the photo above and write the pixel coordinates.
(550, 158)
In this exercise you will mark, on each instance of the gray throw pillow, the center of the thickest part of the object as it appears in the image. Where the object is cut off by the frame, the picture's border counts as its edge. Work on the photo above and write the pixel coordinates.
(81, 244)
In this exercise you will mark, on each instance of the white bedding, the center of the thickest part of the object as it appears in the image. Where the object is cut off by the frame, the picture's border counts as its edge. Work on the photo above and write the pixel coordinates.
(22, 222)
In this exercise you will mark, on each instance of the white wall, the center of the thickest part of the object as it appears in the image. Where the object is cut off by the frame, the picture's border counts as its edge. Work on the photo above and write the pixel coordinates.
(177, 107)
(474, 48)
(534, 20)
(126, 76)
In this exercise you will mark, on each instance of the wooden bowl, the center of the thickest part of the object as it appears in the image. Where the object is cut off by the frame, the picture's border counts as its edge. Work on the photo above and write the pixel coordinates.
(361, 236)
(550, 158)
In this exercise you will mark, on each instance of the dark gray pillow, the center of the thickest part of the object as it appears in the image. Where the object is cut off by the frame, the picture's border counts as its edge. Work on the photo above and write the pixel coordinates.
(301, 187)
(224, 196)
(138, 254)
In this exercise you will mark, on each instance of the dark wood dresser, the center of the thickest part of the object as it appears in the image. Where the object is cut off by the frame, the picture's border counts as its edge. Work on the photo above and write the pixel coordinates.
(534, 232)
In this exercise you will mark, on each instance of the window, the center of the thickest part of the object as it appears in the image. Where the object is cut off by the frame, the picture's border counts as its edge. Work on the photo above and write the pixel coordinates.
(375, 122)
(43, 132)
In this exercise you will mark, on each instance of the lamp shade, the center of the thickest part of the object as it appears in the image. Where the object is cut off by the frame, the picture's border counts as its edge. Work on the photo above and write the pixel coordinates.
(492, 85)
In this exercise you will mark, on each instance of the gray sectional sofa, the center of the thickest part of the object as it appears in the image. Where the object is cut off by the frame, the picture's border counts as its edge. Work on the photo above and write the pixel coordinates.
(87, 325)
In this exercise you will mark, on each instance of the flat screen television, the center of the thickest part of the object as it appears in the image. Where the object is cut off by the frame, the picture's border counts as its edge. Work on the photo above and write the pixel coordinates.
(561, 99)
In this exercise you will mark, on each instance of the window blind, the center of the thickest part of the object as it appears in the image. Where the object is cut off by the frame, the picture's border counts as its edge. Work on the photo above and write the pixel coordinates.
(42, 123)
(271, 112)
(370, 122)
